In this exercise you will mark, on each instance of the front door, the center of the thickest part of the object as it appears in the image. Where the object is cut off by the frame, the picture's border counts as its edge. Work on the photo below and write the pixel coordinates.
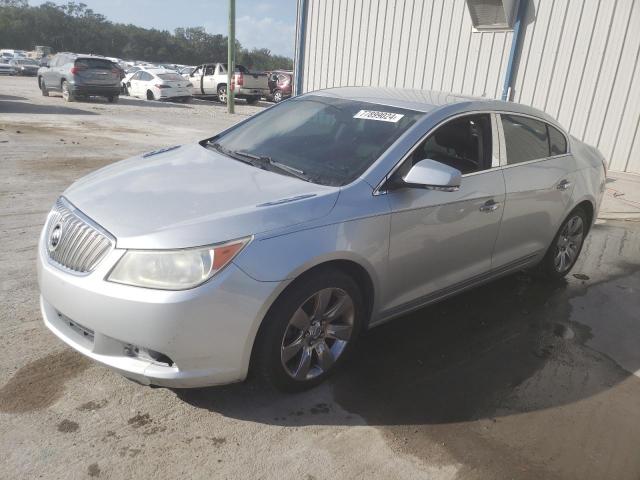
(440, 240)
(209, 84)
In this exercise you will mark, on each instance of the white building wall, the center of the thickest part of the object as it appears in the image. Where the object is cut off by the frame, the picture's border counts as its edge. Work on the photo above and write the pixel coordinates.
(578, 61)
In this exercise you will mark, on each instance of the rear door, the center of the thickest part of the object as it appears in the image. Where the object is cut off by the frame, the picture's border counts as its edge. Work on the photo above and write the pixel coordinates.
(539, 178)
(134, 84)
(440, 240)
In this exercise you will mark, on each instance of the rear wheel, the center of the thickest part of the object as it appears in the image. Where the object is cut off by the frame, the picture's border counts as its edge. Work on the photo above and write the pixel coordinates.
(113, 98)
(67, 95)
(253, 99)
(222, 93)
(43, 87)
(150, 95)
(310, 331)
(566, 246)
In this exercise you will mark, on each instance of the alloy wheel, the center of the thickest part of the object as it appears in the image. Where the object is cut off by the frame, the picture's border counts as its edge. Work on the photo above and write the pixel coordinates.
(317, 334)
(65, 91)
(222, 94)
(568, 244)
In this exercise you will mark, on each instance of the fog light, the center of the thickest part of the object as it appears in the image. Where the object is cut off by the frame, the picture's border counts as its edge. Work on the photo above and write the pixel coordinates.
(147, 354)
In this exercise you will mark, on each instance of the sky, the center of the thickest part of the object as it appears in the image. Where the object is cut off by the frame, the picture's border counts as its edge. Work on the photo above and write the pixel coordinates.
(259, 23)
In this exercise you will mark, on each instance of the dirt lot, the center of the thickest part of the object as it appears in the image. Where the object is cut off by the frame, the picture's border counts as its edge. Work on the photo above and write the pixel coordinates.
(517, 379)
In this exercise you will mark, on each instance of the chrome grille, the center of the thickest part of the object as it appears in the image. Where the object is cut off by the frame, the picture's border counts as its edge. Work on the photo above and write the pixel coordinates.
(79, 246)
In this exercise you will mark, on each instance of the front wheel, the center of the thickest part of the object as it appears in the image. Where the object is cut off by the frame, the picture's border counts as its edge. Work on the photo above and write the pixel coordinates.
(277, 96)
(566, 246)
(310, 331)
(43, 88)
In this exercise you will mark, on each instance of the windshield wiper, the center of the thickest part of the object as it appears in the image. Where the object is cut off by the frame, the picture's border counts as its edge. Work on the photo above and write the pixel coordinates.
(228, 153)
(264, 161)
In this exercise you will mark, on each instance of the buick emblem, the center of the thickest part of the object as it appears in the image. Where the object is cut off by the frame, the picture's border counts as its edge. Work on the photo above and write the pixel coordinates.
(54, 238)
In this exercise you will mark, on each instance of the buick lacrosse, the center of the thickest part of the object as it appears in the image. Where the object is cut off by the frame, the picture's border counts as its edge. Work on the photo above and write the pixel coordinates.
(273, 245)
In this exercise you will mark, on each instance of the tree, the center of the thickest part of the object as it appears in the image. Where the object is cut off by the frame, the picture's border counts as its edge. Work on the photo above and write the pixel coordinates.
(74, 27)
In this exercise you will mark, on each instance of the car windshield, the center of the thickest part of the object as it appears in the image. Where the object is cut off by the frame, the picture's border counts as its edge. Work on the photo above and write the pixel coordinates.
(172, 77)
(330, 140)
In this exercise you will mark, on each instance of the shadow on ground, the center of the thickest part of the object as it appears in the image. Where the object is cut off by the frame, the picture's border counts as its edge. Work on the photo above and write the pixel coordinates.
(461, 360)
(30, 108)
(10, 97)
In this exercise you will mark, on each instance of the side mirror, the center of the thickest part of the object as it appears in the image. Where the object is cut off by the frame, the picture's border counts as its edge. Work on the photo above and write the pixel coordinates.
(433, 176)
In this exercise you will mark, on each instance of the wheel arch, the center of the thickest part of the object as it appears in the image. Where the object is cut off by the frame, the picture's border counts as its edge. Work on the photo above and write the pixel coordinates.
(354, 269)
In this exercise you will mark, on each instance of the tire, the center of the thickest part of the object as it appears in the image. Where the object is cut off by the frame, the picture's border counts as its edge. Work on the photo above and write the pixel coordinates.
(187, 99)
(150, 95)
(277, 96)
(43, 87)
(222, 93)
(67, 95)
(252, 100)
(125, 91)
(566, 246)
(293, 350)
(113, 98)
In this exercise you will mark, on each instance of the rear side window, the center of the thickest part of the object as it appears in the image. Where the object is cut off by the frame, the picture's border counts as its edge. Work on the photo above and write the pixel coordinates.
(94, 63)
(557, 141)
(526, 139)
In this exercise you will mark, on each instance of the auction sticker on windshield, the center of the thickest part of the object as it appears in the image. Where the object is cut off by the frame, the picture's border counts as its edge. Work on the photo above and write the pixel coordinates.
(380, 116)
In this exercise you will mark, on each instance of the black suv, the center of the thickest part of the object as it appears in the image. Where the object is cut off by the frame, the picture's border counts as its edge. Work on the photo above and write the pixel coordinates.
(78, 76)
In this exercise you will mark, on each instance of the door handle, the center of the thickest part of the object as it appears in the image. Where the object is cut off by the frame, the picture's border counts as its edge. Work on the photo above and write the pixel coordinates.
(490, 206)
(564, 185)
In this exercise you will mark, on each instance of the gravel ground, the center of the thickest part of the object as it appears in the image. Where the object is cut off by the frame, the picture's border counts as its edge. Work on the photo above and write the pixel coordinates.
(516, 379)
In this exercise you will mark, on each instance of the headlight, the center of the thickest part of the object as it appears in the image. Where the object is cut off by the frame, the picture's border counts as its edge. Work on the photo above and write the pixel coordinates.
(174, 269)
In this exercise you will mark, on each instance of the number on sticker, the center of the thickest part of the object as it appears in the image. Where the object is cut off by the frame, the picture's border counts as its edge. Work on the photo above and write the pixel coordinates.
(380, 116)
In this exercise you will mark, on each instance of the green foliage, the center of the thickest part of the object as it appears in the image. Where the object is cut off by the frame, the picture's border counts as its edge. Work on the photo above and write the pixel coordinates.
(73, 27)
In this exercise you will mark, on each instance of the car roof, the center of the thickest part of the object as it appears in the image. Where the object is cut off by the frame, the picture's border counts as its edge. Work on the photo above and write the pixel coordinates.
(428, 101)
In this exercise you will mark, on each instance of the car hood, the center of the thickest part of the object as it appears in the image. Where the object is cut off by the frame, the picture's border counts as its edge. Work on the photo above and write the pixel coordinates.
(191, 196)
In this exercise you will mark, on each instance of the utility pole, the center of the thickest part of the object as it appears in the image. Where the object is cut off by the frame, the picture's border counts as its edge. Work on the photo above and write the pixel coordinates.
(231, 55)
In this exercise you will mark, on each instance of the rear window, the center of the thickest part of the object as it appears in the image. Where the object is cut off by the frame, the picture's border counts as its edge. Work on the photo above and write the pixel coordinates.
(94, 63)
(526, 139)
(172, 77)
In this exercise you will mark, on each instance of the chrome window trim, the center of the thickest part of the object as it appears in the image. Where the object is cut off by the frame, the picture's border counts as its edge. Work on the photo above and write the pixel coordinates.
(533, 117)
(378, 189)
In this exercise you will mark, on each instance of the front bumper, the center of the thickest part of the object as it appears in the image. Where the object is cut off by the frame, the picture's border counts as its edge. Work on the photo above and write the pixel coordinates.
(207, 332)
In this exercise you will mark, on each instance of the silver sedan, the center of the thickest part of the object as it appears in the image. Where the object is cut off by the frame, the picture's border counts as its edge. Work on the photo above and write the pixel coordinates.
(273, 245)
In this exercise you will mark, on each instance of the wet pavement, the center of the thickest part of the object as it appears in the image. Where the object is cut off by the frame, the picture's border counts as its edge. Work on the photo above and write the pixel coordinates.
(519, 379)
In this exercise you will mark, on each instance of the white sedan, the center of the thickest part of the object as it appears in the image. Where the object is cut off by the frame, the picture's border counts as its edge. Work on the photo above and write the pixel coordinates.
(159, 84)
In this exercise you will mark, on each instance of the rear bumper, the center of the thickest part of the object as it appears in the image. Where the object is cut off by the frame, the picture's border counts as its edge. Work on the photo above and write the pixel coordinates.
(251, 92)
(95, 90)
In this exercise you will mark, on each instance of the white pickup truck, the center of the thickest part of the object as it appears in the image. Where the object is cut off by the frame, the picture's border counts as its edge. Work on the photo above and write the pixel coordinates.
(211, 79)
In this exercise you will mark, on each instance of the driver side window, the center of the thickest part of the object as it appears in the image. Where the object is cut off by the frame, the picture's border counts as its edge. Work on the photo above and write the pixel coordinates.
(463, 143)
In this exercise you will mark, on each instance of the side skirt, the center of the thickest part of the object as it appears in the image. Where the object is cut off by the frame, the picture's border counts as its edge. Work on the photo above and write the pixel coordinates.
(447, 292)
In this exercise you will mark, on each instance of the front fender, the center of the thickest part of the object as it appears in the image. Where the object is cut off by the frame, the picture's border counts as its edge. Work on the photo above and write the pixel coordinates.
(363, 241)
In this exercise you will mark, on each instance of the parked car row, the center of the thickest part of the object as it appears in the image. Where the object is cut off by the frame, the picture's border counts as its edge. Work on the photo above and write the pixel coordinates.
(78, 76)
